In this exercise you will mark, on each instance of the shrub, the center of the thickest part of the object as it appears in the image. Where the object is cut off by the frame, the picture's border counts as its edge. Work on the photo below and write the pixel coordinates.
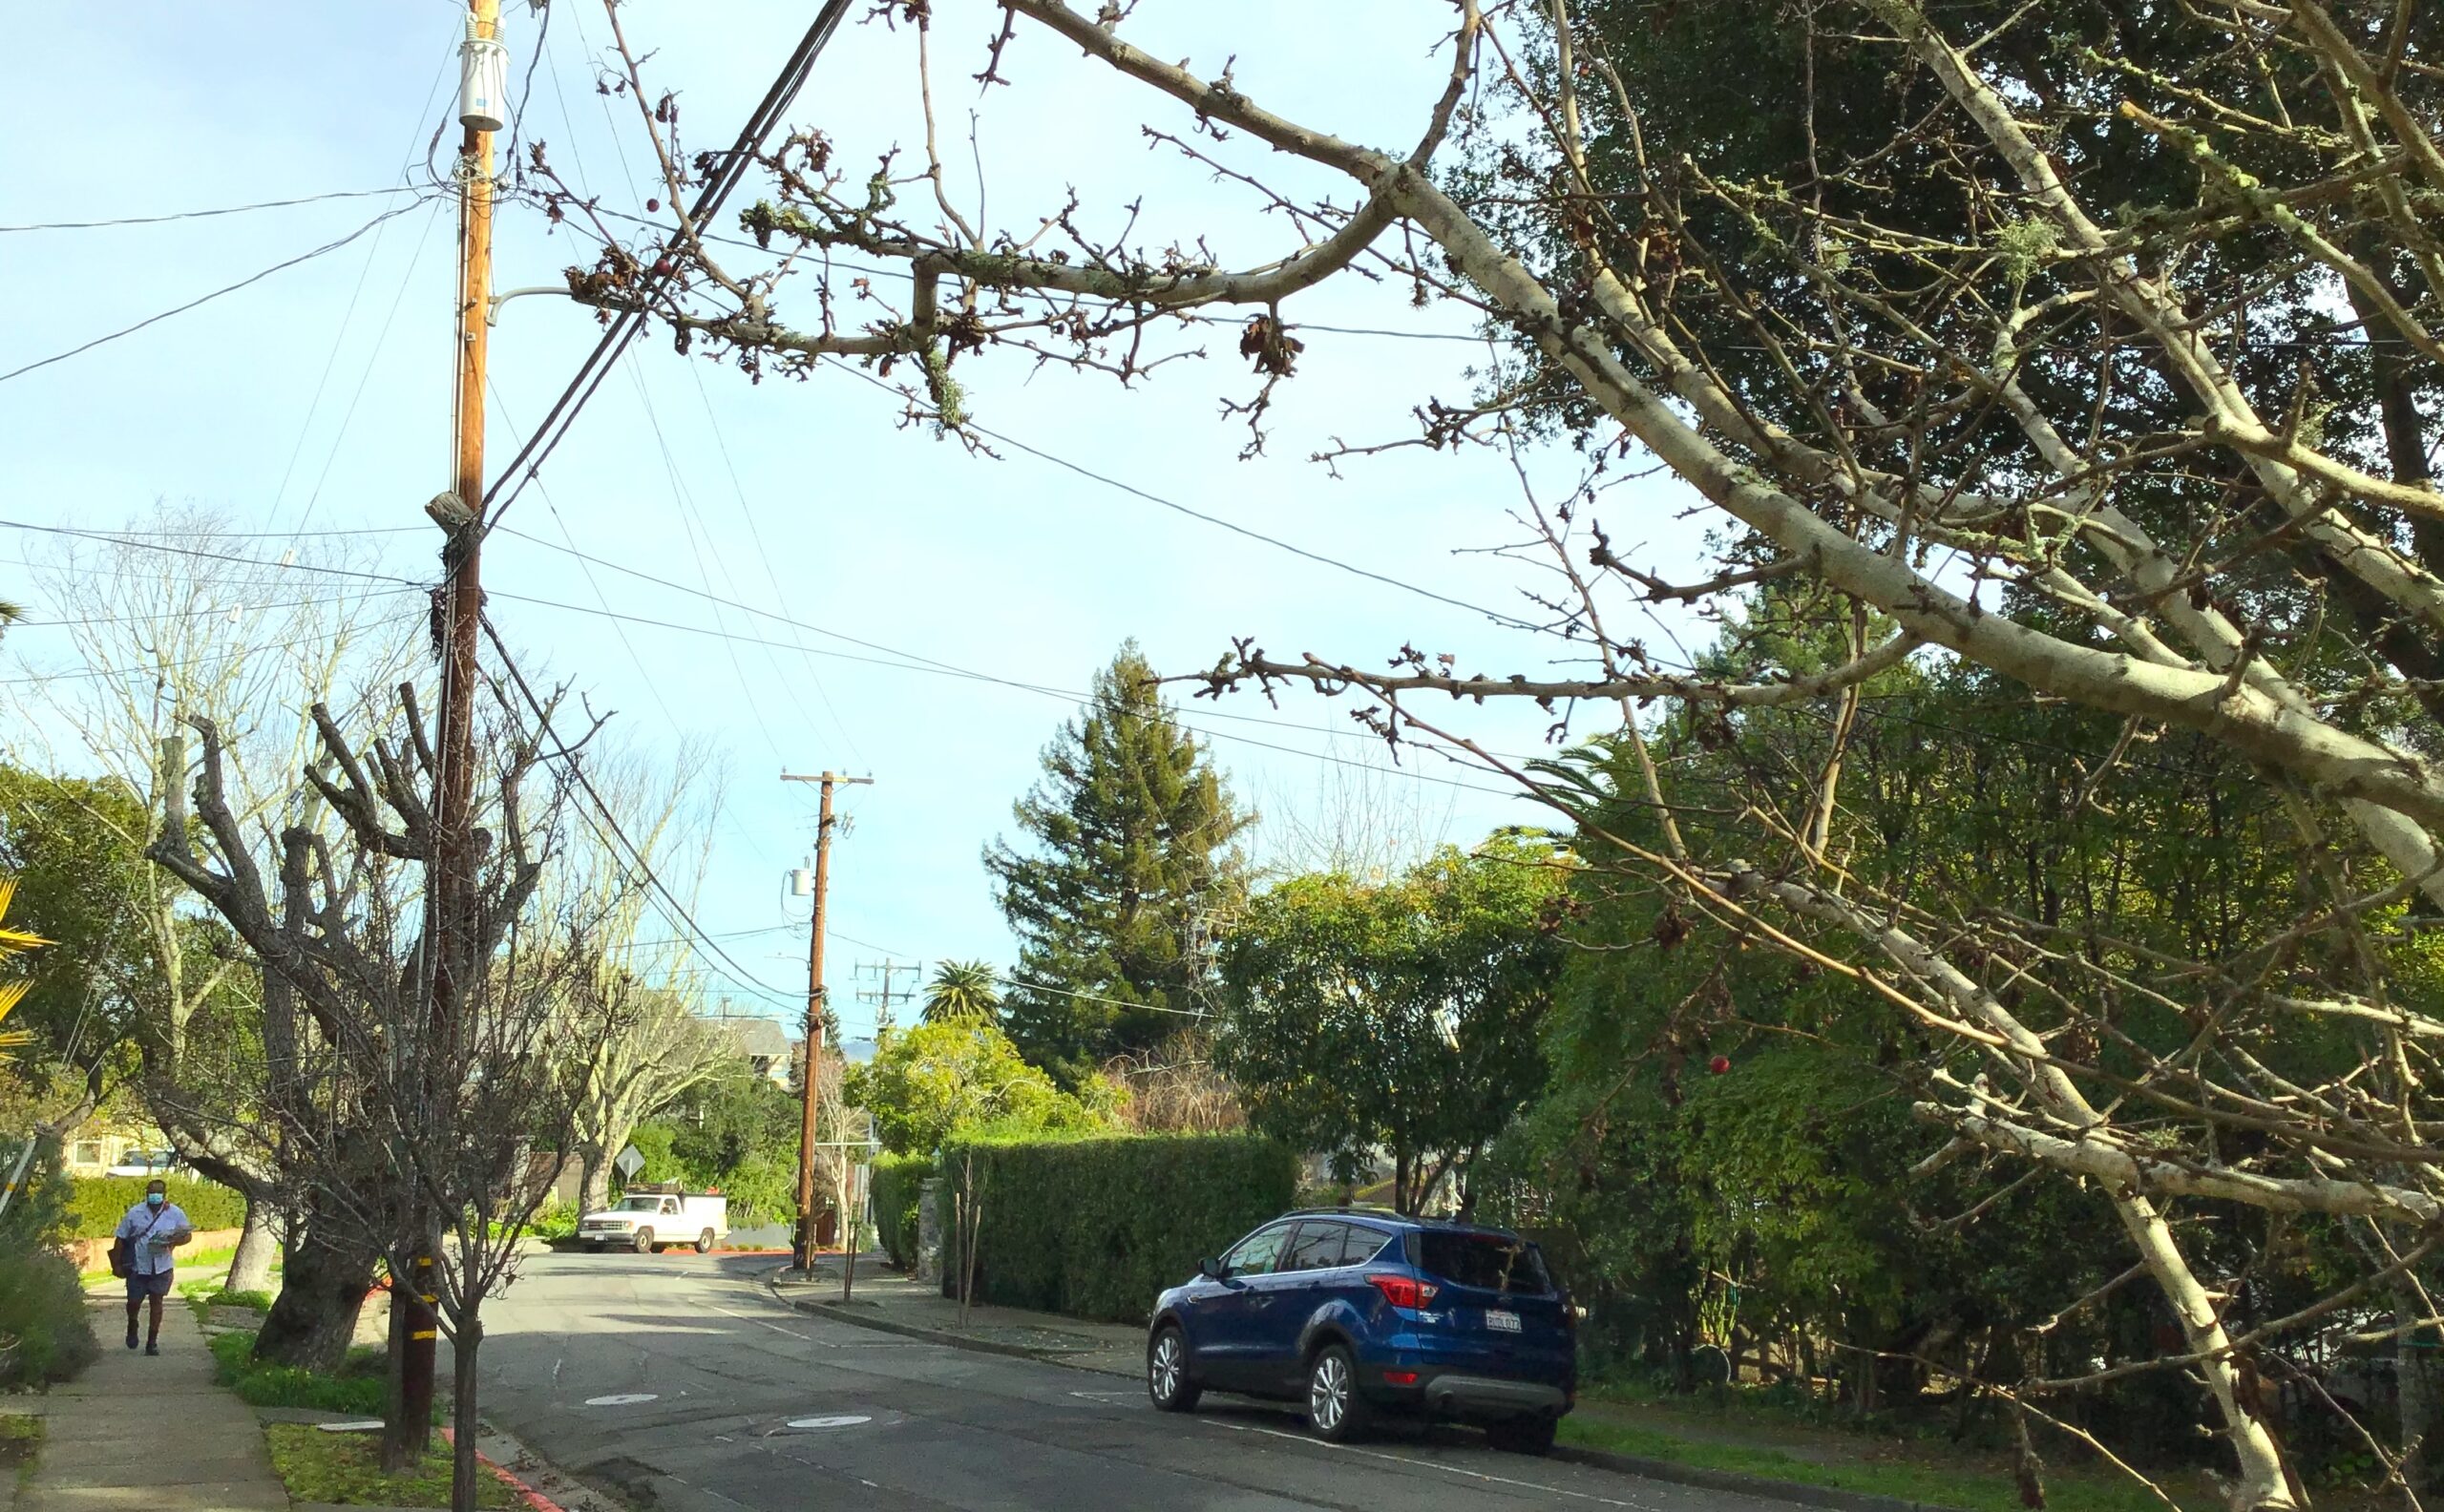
(98, 1203)
(897, 1180)
(1094, 1227)
(42, 1307)
(42, 1302)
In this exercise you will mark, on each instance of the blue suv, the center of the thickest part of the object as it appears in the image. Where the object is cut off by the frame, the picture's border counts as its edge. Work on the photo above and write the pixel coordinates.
(1356, 1310)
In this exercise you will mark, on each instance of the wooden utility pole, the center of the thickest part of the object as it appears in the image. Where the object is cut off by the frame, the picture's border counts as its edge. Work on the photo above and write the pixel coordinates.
(450, 880)
(813, 1067)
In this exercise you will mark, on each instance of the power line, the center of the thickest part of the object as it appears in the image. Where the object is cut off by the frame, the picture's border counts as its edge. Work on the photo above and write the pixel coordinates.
(725, 178)
(206, 299)
(668, 902)
(198, 215)
(1232, 525)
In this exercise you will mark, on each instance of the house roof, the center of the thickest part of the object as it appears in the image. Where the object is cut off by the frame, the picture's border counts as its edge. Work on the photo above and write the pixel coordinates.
(758, 1038)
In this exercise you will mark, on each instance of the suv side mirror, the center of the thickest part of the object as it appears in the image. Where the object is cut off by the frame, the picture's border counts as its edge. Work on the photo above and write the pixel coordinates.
(1210, 1268)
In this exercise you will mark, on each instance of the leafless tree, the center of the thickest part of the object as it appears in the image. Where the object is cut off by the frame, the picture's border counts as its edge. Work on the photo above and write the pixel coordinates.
(405, 1108)
(173, 617)
(2091, 450)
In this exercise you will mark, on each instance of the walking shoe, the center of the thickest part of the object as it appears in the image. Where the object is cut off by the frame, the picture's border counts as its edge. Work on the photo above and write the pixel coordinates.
(152, 1346)
(131, 1335)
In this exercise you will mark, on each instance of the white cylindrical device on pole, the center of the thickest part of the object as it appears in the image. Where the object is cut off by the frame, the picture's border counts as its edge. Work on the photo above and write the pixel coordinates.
(801, 882)
(483, 81)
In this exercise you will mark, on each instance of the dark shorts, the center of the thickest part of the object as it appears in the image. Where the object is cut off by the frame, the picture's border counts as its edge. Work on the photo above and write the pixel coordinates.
(141, 1285)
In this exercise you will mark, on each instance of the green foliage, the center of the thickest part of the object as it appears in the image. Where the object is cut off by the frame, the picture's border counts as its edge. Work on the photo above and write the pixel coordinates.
(927, 1082)
(962, 990)
(357, 1389)
(1131, 836)
(1094, 1227)
(42, 1307)
(75, 844)
(736, 1134)
(100, 1202)
(897, 1180)
(1398, 1015)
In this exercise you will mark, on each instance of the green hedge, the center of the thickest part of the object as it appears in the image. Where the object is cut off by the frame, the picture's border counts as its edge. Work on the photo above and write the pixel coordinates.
(98, 1203)
(897, 1180)
(1094, 1227)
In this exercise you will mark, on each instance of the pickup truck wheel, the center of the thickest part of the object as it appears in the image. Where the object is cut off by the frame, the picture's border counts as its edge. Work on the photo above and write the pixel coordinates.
(1530, 1436)
(1335, 1410)
(644, 1241)
(704, 1242)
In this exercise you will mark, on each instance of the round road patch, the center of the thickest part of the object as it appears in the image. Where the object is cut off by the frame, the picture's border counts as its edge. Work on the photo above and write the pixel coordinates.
(621, 1400)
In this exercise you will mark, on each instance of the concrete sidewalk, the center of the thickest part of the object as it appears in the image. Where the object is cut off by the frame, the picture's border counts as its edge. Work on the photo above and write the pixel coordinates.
(886, 1299)
(150, 1433)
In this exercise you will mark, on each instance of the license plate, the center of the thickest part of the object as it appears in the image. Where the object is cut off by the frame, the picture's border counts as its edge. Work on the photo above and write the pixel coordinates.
(1502, 1322)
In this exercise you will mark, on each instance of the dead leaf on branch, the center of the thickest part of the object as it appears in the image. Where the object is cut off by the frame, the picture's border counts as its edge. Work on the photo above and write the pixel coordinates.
(1270, 348)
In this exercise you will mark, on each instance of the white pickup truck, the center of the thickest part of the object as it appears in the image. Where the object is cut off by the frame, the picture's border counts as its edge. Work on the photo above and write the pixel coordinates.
(655, 1215)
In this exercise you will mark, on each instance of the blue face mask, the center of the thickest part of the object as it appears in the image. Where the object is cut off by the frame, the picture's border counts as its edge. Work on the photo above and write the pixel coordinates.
(154, 1199)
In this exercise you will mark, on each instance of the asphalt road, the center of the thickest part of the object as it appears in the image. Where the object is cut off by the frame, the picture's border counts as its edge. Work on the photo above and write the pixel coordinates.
(680, 1382)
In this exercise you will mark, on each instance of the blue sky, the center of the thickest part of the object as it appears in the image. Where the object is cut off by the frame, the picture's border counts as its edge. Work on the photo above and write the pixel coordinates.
(318, 399)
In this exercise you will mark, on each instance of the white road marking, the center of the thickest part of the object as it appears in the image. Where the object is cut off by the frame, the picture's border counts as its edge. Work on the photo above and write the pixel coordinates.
(621, 1400)
(837, 1421)
(1430, 1465)
(1105, 1396)
(764, 1323)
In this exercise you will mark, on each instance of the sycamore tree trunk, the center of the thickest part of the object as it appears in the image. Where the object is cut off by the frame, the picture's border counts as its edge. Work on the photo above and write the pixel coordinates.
(593, 1183)
(251, 1269)
(322, 1290)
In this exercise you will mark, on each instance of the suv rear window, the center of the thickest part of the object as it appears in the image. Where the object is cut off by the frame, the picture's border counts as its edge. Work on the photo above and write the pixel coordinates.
(1489, 1262)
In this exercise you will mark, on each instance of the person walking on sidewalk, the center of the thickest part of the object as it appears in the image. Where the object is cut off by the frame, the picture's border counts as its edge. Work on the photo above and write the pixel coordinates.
(153, 1229)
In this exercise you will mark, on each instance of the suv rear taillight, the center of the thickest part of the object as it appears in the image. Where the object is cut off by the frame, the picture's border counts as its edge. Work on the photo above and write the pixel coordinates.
(1403, 1291)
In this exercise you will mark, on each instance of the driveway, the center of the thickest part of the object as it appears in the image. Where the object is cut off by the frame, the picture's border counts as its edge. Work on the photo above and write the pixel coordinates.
(680, 1382)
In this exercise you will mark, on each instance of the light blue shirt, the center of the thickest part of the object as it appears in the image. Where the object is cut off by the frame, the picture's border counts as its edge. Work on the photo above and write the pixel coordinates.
(154, 1227)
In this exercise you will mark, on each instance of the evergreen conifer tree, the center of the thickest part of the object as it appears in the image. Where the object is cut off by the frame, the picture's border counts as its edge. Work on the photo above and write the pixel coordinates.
(1111, 903)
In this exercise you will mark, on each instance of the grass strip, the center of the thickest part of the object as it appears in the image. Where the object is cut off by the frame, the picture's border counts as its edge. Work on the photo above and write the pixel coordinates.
(1968, 1487)
(346, 1468)
(20, 1439)
(357, 1388)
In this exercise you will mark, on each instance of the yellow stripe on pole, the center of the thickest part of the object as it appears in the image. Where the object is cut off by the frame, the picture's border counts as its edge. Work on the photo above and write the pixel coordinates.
(424, 1334)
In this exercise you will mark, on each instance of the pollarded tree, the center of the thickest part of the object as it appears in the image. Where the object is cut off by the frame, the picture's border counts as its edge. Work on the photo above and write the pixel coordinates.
(1131, 865)
(1399, 1015)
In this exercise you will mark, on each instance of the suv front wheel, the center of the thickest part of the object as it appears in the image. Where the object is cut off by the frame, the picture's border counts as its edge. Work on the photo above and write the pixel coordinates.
(1167, 1378)
(1335, 1409)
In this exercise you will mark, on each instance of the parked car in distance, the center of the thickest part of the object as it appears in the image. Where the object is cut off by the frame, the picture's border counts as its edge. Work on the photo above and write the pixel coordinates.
(1358, 1312)
(145, 1163)
(652, 1214)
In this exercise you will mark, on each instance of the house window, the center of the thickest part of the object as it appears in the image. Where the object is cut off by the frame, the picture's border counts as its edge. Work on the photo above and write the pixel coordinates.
(88, 1152)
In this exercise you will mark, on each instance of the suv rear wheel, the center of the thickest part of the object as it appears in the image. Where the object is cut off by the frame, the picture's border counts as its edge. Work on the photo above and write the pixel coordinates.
(1529, 1435)
(1335, 1410)
(1167, 1379)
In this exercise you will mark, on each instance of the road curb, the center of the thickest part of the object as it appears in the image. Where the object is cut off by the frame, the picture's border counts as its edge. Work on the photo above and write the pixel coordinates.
(918, 1331)
(1755, 1485)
